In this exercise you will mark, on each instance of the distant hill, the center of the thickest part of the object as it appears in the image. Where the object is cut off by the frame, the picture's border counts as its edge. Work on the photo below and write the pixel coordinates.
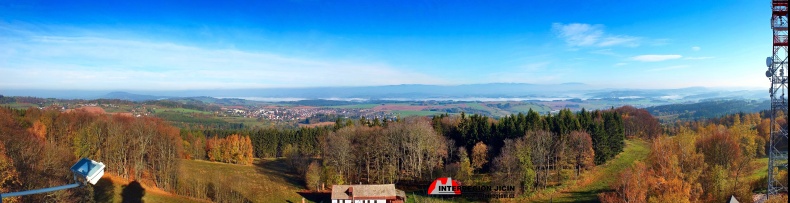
(407, 91)
(466, 92)
(709, 109)
(130, 96)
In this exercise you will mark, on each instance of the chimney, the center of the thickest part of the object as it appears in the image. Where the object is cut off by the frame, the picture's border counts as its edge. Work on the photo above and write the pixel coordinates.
(351, 193)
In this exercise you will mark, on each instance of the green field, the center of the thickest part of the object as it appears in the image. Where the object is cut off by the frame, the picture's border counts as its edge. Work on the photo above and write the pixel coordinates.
(355, 106)
(478, 106)
(495, 112)
(419, 198)
(761, 171)
(525, 108)
(246, 121)
(404, 113)
(605, 104)
(180, 110)
(120, 109)
(20, 105)
(267, 180)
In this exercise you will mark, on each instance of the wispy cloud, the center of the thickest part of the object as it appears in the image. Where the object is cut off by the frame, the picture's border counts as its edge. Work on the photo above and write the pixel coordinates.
(620, 40)
(695, 48)
(669, 68)
(655, 57)
(580, 35)
(699, 58)
(659, 42)
(39, 61)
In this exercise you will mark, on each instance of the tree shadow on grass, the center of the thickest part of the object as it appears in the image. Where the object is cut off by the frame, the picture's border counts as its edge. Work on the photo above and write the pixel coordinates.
(278, 170)
(585, 196)
(133, 193)
(590, 196)
(104, 190)
(316, 196)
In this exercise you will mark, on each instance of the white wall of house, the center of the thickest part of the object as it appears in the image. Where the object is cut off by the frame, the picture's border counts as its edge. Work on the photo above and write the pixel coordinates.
(359, 201)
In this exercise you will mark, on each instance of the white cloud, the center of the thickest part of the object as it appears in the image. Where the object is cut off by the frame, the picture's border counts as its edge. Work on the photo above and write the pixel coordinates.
(620, 40)
(669, 68)
(655, 58)
(695, 48)
(580, 34)
(108, 63)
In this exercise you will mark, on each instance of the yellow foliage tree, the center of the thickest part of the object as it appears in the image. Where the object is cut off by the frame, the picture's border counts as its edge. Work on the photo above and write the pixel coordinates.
(479, 155)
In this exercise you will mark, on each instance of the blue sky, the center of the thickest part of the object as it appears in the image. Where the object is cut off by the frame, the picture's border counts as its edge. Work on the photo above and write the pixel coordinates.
(172, 45)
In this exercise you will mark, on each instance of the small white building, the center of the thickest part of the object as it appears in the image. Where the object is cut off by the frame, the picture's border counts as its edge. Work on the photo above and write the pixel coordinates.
(385, 193)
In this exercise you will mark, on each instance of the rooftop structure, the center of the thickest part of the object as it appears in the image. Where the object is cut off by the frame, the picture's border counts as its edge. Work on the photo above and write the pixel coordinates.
(385, 193)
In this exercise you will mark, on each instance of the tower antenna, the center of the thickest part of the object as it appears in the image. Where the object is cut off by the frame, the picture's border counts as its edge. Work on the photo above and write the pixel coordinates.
(777, 74)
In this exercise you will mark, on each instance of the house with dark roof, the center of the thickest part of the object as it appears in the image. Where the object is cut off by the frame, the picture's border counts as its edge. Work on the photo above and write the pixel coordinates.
(384, 193)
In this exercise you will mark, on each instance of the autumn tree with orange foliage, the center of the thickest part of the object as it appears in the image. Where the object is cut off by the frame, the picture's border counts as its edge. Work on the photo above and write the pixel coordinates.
(44, 143)
(39, 130)
(9, 177)
(630, 186)
(232, 149)
(144, 149)
(194, 144)
(27, 161)
(675, 167)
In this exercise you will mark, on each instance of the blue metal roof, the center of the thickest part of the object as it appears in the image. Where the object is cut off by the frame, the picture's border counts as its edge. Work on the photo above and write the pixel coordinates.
(86, 167)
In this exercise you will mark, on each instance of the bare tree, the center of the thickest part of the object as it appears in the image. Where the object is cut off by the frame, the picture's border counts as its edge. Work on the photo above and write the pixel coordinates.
(542, 148)
(514, 165)
(580, 151)
(337, 151)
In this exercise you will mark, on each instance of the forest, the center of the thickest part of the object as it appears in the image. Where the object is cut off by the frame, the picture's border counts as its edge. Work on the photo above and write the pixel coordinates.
(38, 146)
(693, 161)
(418, 149)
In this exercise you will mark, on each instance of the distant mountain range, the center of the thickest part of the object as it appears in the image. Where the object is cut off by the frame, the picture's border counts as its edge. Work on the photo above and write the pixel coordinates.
(502, 91)
(131, 97)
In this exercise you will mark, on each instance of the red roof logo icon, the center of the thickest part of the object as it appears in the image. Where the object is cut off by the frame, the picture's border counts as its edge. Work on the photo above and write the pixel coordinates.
(444, 186)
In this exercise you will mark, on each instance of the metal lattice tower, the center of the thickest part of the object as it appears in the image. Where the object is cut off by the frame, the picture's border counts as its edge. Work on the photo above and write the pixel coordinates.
(777, 73)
